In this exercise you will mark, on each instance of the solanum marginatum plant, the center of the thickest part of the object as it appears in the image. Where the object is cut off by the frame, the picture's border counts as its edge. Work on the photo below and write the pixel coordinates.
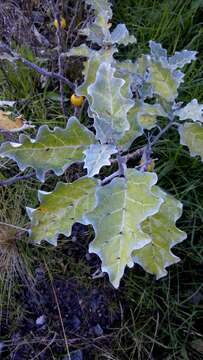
(134, 220)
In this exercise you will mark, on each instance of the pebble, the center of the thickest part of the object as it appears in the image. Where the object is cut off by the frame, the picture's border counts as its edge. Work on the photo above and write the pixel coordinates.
(98, 330)
(75, 355)
(1, 347)
(41, 320)
(75, 322)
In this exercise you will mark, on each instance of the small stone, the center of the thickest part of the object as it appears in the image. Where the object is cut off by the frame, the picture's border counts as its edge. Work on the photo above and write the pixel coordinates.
(39, 274)
(98, 330)
(1, 347)
(75, 355)
(16, 337)
(75, 323)
(41, 320)
(88, 257)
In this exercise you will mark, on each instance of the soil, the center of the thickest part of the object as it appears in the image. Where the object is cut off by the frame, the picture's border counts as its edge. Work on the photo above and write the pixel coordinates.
(87, 313)
(84, 314)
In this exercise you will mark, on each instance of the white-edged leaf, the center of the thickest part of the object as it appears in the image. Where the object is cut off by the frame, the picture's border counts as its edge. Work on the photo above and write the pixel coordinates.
(98, 32)
(97, 156)
(126, 70)
(162, 70)
(100, 6)
(157, 51)
(176, 61)
(181, 58)
(192, 111)
(107, 102)
(161, 227)
(82, 50)
(60, 209)
(126, 67)
(8, 57)
(104, 132)
(90, 70)
(121, 207)
(120, 35)
(191, 135)
(147, 116)
(165, 81)
(7, 103)
(51, 150)
(135, 130)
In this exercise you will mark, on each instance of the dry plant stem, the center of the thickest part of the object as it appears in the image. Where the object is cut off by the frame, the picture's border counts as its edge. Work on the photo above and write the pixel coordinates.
(162, 132)
(49, 74)
(63, 107)
(110, 177)
(82, 108)
(73, 341)
(80, 26)
(135, 154)
(46, 347)
(121, 164)
(57, 16)
(121, 160)
(14, 226)
(16, 178)
(73, 20)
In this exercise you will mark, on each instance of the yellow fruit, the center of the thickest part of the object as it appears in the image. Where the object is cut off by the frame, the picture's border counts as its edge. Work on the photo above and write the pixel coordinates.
(151, 166)
(77, 100)
(63, 23)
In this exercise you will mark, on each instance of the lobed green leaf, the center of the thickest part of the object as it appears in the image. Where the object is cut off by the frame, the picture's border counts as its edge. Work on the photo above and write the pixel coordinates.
(107, 102)
(100, 6)
(121, 207)
(97, 156)
(60, 209)
(191, 135)
(90, 70)
(192, 111)
(147, 115)
(165, 82)
(135, 130)
(156, 256)
(120, 35)
(51, 150)
(181, 58)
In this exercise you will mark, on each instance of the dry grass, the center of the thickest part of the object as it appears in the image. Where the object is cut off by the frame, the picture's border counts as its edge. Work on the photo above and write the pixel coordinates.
(13, 263)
